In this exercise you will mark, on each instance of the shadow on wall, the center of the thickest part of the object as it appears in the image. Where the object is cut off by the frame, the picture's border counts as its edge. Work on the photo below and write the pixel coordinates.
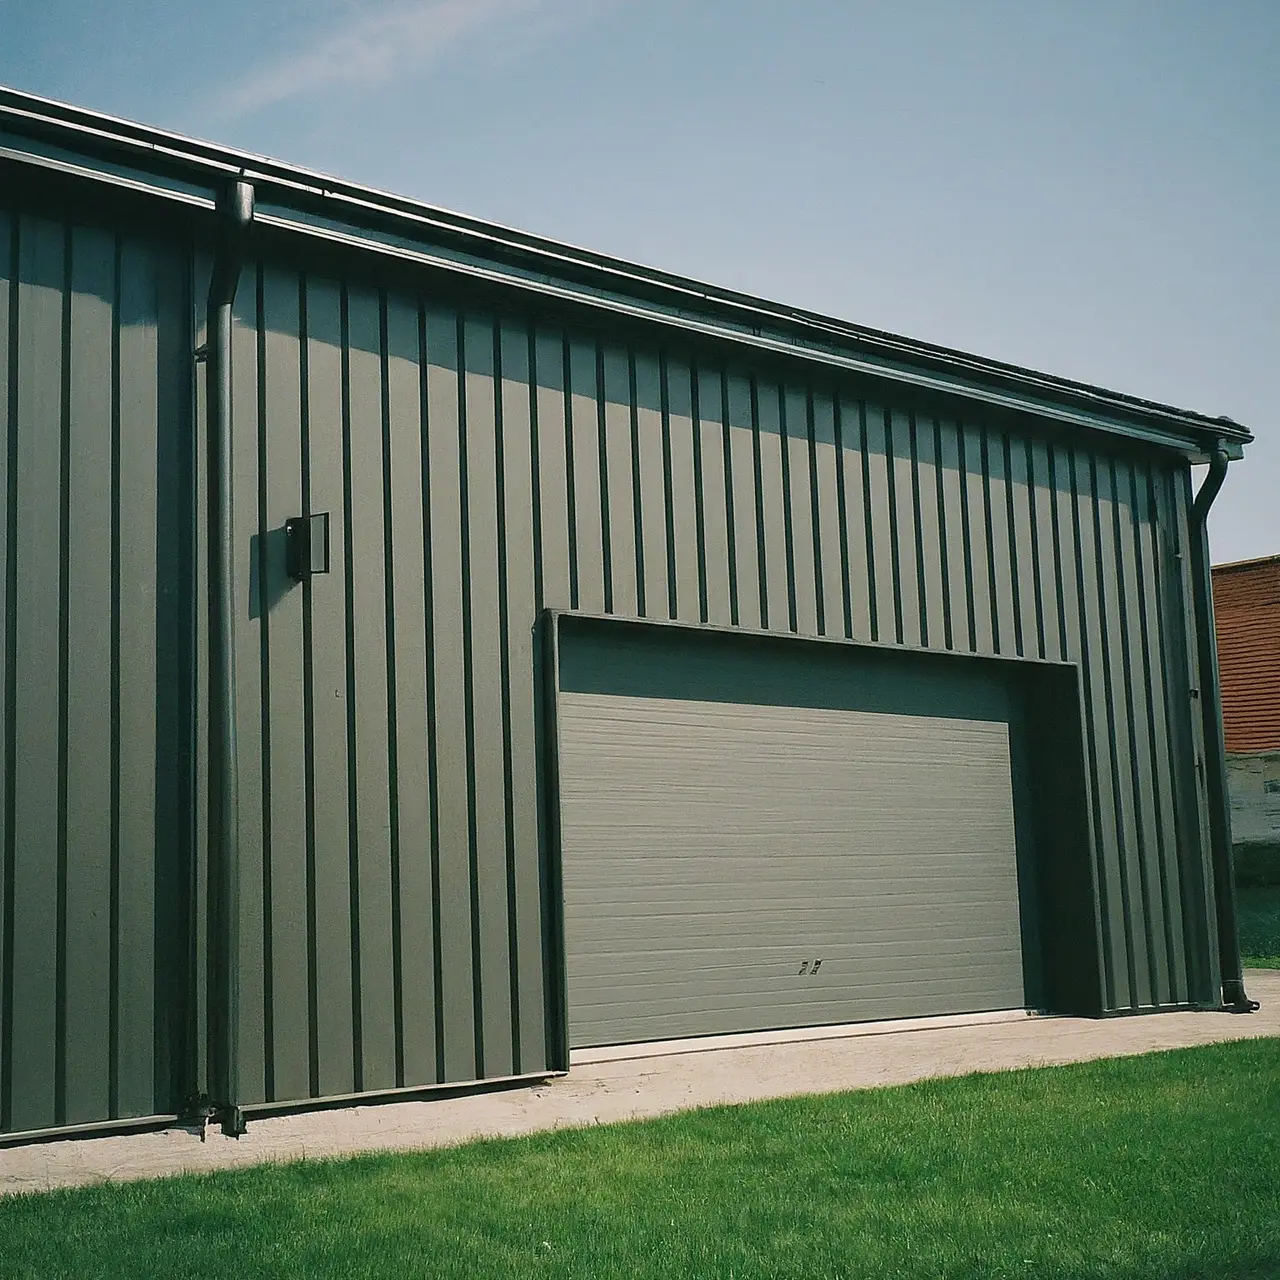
(269, 580)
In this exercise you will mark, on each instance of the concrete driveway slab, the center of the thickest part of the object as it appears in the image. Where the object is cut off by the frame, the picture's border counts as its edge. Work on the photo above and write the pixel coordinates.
(634, 1087)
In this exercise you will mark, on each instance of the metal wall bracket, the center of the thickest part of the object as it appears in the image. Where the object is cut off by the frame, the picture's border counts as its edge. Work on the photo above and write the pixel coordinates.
(306, 542)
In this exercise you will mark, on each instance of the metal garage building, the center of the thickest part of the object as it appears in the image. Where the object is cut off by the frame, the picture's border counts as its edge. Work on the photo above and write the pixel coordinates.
(670, 662)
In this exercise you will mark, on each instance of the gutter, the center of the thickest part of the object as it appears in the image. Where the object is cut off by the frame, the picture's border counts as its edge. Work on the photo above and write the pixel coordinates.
(1231, 971)
(235, 213)
(85, 145)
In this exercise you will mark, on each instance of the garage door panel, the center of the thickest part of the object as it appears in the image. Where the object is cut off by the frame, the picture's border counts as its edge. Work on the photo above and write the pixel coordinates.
(712, 851)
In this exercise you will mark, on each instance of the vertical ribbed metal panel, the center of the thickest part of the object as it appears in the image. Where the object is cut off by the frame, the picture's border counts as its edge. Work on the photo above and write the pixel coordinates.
(95, 707)
(481, 468)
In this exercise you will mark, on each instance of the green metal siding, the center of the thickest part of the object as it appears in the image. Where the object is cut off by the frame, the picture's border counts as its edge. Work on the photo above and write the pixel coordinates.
(668, 484)
(481, 464)
(95, 780)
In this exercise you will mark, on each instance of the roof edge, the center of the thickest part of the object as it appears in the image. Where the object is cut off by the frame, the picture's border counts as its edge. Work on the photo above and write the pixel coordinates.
(1232, 566)
(190, 165)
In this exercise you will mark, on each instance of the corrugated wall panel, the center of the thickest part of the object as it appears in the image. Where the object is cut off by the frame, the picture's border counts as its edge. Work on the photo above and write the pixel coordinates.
(8, 640)
(713, 500)
(477, 468)
(95, 344)
(458, 947)
(331, 997)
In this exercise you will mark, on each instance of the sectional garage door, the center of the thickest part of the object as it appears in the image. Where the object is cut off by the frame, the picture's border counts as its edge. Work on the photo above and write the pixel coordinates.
(731, 867)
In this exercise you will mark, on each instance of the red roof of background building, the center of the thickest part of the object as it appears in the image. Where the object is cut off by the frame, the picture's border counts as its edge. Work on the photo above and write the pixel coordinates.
(1246, 606)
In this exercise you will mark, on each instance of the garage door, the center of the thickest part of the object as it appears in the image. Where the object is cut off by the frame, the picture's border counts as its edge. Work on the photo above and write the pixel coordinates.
(734, 867)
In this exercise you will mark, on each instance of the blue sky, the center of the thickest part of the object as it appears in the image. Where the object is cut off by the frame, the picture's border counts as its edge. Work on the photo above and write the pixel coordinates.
(1090, 187)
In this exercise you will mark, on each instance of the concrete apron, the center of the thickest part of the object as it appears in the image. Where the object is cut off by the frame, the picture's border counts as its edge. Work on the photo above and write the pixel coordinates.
(639, 1081)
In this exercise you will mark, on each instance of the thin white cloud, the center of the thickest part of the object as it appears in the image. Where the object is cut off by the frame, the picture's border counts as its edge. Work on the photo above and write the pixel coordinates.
(375, 47)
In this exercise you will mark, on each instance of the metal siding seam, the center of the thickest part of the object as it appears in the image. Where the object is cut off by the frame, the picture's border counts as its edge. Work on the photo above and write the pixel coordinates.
(1059, 576)
(637, 504)
(36, 704)
(668, 494)
(89, 680)
(993, 601)
(842, 514)
(891, 525)
(1111, 845)
(762, 582)
(1157, 734)
(8, 673)
(177, 1070)
(828, 534)
(264, 704)
(922, 593)
(1011, 532)
(389, 640)
(551, 535)
(948, 634)
(433, 745)
(1035, 492)
(1119, 716)
(902, 514)
(585, 463)
(64, 574)
(1182, 761)
(713, 513)
(818, 581)
(571, 504)
(353, 817)
(868, 516)
(699, 498)
(519, 478)
(1183, 502)
(1125, 584)
(712, 510)
(1040, 513)
(486, 643)
(602, 466)
(535, 456)
(730, 529)
(468, 696)
(652, 481)
(308, 700)
(1069, 592)
(377, 1007)
(283, 695)
(113, 1055)
(683, 493)
(882, 542)
(788, 515)
(1087, 657)
(967, 535)
(504, 675)
(619, 448)
(139, 680)
(413, 908)
(803, 580)
(952, 486)
(328, 657)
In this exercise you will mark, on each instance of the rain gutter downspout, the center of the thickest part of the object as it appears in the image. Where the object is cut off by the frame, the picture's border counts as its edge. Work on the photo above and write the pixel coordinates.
(235, 213)
(1234, 997)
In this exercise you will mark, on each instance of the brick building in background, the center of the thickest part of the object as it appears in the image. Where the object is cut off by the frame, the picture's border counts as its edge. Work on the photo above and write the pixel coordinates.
(1246, 601)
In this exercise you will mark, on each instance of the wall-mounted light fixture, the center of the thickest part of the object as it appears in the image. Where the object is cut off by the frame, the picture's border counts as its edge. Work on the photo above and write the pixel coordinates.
(306, 545)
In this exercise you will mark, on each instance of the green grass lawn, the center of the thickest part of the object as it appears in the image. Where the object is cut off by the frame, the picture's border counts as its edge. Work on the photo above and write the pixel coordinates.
(1259, 911)
(1166, 1166)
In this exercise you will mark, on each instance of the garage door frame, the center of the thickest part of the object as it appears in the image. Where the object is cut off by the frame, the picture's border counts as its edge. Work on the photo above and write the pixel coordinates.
(1065, 924)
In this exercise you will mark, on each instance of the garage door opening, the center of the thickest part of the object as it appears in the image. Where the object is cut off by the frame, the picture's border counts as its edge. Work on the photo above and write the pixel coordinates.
(759, 833)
